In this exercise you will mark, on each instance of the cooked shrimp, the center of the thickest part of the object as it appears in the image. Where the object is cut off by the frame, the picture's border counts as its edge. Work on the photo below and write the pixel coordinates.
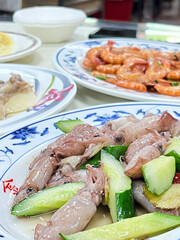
(173, 56)
(132, 51)
(168, 89)
(111, 56)
(131, 71)
(88, 64)
(94, 55)
(99, 74)
(108, 68)
(76, 213)
(174, 75)
(157, 69)
(132, 85)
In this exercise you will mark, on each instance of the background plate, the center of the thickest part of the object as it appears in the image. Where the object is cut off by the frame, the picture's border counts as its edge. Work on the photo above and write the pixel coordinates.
(69, 58)
(17, 150)
(54, 89)
(23, 45)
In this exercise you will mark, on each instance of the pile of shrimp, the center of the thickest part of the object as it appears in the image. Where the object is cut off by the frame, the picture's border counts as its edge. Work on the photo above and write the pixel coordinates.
(135, 68)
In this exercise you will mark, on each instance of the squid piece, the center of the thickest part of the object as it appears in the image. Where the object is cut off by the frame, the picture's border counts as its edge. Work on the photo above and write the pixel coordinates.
(40, 172)
(113, 129)
(76, 213)
(121, 132)
(160, 123)
(143, 150)
(74, 148)
(75, 142)
(75, 176)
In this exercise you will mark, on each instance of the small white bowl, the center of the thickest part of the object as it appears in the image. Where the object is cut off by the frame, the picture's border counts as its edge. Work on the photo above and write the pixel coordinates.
(50, 23)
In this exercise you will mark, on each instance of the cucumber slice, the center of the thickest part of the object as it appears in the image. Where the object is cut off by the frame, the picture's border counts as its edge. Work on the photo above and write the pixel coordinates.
(120, 199)
(173, 149)
(159, 174)
(46, 200)
(143, 226)
(68, 125)
(94, 161)
(117, 151)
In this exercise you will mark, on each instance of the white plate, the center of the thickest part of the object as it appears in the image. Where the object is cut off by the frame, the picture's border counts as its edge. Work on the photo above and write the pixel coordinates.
(69, 58)
(46, 83)
(17, 150)
(23, 45)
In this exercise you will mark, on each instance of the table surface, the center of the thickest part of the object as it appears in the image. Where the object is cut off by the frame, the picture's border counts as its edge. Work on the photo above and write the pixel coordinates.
(43, 58)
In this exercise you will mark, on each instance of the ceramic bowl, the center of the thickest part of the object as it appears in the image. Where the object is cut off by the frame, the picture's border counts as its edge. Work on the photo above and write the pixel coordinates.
(52, 24)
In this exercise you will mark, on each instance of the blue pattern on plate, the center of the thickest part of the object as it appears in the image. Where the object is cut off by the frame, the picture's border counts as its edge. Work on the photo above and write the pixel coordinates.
(44, 131)
(4, 155)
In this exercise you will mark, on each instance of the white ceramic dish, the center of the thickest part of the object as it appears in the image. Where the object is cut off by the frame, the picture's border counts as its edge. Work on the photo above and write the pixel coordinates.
(54, 92)
(23, 45)
(69, 58)
(52, 24)
(17, 149)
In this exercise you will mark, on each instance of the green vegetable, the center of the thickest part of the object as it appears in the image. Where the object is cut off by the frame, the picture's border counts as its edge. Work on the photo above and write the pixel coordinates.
(159, 64)
(117, 151)
(68, 125)
(173, 149)
(159, 174)
(143, 226)
(100, 77)
(120, 200)
(94, 161)
(175, 84)
(46, 200)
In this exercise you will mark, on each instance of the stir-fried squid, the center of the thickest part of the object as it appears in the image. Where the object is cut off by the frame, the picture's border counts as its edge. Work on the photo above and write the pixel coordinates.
(135, 68)
(58, 164)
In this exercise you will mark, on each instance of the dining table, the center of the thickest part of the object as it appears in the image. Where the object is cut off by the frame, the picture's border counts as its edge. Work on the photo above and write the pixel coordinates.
(83, 99)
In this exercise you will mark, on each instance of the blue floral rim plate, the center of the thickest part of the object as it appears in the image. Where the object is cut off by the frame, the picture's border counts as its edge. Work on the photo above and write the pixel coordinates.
(18, 148)
(53, 90)
(69, 59)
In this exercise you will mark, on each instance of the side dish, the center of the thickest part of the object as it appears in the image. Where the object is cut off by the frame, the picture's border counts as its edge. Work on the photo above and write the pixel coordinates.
(135, 68)
(16, 95)
(126, 161)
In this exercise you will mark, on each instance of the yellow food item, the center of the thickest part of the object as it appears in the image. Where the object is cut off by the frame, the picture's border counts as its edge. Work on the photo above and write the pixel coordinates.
(168, 200)
(6, 44)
